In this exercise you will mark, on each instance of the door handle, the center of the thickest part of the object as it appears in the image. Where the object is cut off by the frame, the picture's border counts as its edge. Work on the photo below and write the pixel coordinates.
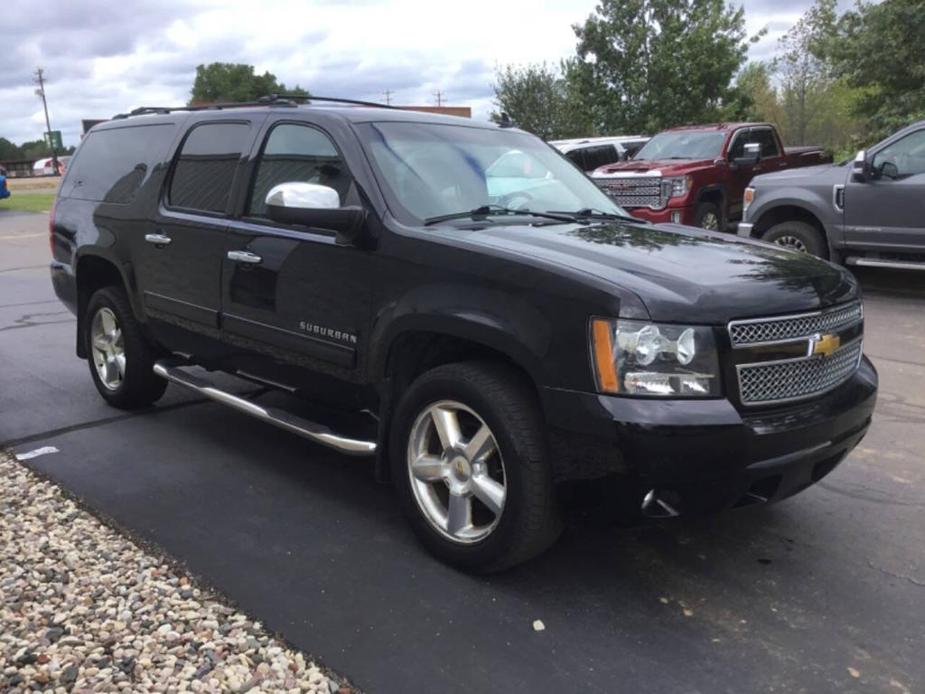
(158, 239)
(244, 257)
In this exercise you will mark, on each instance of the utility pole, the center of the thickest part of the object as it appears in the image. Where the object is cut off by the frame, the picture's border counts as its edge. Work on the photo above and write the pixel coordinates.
(40, 80)
(388, 97)
(439, 96)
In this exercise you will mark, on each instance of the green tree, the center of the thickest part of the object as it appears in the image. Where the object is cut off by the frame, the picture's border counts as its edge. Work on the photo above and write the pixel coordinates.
(36, 149)
(878, 50)
(804, 74)
(652, 64)
(8, 151)
(537, 99)
(755, 82)
(232, 82)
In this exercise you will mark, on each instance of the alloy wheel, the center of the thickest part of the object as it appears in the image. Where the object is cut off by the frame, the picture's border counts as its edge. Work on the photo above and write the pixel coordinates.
(108, 348)
(710, 221)
(791, 242)
(456, 472)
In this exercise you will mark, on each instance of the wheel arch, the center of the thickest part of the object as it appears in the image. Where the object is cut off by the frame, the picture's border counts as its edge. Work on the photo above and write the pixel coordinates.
(414, 344)
(792, 212)
(94, 271)
(715, 194)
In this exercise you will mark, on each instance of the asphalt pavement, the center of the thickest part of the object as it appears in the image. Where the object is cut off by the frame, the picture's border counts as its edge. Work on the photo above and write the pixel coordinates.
(824, 592)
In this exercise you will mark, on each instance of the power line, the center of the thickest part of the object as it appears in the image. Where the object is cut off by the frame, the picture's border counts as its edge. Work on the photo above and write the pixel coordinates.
(40, 80)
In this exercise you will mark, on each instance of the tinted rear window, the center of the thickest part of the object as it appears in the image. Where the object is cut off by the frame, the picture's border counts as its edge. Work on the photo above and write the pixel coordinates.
(600, 155)
(205, 169)
(111, 165)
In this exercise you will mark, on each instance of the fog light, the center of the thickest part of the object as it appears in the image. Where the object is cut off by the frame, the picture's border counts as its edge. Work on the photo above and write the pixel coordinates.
(676, 217)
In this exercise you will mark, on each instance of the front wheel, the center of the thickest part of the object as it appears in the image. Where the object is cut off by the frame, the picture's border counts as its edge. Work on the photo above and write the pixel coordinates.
(121, 359)
(797, 236)
(708, 216)
(470, 465)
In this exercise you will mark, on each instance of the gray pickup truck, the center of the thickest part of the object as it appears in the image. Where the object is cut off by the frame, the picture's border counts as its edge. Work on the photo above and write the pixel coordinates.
(867, 212)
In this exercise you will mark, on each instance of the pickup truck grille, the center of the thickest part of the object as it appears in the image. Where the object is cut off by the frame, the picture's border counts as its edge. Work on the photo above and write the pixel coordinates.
(634, 191)
(803, 377)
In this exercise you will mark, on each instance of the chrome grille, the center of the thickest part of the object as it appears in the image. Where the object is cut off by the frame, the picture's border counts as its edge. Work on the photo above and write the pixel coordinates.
(795, 379)
(637, 191)
(751, 332)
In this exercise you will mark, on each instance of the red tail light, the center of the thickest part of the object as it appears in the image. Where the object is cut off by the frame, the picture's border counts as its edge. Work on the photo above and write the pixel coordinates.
(51, 229)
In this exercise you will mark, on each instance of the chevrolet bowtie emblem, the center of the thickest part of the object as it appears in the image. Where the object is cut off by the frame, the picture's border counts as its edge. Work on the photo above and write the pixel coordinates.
(824, 345)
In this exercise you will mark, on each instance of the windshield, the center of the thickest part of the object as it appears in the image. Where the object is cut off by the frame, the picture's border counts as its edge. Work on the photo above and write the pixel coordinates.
(428, 171)
(683, 144)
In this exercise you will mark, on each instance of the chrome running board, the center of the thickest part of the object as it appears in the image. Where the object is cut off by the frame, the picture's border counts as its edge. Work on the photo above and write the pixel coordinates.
(884, 262)
(310, 430)
(653, 506)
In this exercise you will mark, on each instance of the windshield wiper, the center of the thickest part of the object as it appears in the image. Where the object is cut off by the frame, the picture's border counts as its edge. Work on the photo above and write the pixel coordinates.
(486, 210)
(591, 213)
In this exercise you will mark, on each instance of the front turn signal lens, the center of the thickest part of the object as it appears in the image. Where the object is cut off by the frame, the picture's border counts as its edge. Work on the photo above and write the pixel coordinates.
(604, 363)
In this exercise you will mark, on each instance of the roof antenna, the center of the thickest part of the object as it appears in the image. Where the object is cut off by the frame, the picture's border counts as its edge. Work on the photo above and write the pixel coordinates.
(505, 121)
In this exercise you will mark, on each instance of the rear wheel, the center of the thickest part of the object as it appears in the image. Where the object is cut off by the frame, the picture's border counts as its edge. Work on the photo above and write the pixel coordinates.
(797, 236)
(121, 359)
(470, 465)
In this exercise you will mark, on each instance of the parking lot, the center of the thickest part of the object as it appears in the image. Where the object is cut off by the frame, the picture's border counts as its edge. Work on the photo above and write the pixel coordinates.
(822, 593)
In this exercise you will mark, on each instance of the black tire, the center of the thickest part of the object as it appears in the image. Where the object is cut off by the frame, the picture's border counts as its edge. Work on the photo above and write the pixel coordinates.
(529, 521)
(139, 386)
(707, 211)
(797, 236)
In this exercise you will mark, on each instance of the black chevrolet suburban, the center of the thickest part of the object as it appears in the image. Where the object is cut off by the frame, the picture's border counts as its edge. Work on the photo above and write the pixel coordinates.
(505, 324)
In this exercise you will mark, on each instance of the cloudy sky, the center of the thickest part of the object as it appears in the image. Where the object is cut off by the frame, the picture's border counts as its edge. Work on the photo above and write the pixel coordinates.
(103, 56)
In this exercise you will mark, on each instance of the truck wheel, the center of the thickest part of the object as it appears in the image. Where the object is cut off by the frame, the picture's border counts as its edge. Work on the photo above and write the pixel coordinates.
(120, 357)
(797, 236)
(708, 216)
(470, 466)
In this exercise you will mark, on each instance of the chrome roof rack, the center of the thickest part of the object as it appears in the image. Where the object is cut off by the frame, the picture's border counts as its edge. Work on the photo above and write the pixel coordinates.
(290, 100)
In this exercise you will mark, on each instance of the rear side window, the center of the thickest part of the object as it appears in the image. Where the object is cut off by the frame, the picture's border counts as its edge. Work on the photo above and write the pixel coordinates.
(112, 164)
(600, 155)
(206, 166)
(577, 156)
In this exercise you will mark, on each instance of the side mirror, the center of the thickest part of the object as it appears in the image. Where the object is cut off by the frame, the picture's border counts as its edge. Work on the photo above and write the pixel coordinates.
(751, 157)
(860, 168)
(314, 205)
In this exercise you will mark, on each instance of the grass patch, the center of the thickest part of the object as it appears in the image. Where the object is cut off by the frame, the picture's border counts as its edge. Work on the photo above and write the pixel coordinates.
(28, 202)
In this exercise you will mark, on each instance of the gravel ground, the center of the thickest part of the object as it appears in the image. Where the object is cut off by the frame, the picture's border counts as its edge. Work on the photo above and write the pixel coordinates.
(85, 609)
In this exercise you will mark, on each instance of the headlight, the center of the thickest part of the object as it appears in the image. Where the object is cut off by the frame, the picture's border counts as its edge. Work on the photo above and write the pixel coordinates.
(638, 358)
(677, 187)
(747, 198)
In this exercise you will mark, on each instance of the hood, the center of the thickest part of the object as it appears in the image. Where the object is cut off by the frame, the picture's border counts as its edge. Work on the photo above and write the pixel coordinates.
(824, 173)
(682, 274)
(666, 167)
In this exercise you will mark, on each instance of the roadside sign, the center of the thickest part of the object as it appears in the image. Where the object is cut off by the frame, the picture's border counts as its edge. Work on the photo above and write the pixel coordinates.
(53, 140)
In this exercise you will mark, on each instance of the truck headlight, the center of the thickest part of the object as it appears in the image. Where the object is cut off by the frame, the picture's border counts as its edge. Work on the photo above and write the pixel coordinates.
(654, 359)
(677, 187)
(747, 198)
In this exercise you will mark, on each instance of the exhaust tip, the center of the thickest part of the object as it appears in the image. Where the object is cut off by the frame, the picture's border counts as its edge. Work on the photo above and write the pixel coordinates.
(654, 505)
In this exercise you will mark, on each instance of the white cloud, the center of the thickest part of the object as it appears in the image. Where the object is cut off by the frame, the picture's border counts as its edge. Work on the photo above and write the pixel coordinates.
(104, 56)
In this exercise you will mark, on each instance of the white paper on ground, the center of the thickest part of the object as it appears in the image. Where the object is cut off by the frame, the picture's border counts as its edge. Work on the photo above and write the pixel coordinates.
(29, 455)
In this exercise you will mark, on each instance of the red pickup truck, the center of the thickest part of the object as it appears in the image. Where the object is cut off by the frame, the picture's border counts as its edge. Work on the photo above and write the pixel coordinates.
(697, 175)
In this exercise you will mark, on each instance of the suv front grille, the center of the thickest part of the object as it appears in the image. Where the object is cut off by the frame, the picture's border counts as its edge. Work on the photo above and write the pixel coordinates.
(634, 191)
(795, 379)
(784, 380)
(752, 332)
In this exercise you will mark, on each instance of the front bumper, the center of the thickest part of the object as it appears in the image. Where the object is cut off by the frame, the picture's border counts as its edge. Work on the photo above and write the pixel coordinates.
(669, 215)
(745, 229)
(705, 455)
